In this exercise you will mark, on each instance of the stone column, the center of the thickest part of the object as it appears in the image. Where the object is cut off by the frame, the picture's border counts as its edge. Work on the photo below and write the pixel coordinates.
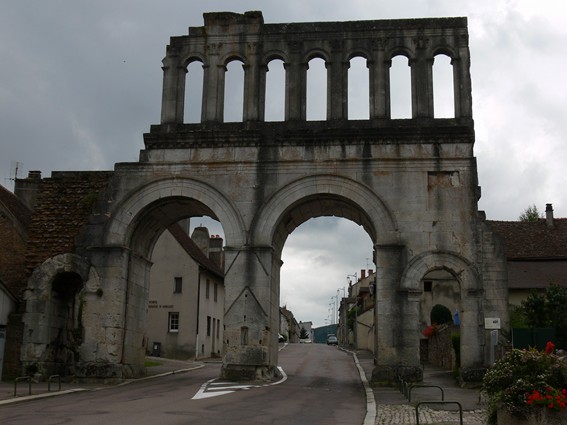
(397, 345)
(422, 85)
(173, 91)
(262, 93)
(107, 350)
(472, 330)
(337, 86)
(252, 87)
(462, 85)
(379, 80)
(295, 85)
(251, 314)
(213, 90)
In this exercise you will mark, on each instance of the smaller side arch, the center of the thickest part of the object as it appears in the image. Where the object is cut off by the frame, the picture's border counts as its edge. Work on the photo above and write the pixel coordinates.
(444, 50)
(358, 53)
(275, 55)
(419, 266)
(233, 56)
(43, 275)
(316, 54)
(189, 59)
(400, 51)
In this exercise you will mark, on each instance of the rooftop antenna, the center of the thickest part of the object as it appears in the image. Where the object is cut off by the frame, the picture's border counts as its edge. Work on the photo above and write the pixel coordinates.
(15, 169)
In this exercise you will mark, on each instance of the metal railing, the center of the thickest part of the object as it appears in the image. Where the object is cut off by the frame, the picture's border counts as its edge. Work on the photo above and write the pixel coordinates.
(438, 402)
(20, 379)
(29, 380)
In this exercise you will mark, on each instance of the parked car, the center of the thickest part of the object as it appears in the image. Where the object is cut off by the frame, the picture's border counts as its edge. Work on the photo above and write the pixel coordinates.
(332, 340)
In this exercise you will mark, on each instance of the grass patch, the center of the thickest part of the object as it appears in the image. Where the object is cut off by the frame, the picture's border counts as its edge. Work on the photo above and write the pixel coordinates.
(150, 363)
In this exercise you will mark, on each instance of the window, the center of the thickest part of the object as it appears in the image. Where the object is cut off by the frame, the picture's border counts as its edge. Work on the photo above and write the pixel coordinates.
(208, 325)
(427, 286)
(178, 285)
(207, 289)
(215, 292)
(173, 322)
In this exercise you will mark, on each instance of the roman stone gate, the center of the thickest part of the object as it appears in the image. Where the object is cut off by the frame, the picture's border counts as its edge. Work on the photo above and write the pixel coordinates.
(410, 183)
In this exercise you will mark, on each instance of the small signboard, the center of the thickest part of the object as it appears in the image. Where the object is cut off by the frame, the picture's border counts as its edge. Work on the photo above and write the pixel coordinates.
(491, 323)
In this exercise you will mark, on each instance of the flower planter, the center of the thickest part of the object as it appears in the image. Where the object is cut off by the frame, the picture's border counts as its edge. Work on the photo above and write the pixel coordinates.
(541, 416)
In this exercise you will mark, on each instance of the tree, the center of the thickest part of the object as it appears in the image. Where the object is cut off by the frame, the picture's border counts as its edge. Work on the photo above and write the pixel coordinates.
(303, 333)
(440, 315)
(548, 309)
(530, 214)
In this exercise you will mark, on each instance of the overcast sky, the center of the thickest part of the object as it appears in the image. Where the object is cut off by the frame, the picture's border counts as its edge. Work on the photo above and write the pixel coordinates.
(80, 82)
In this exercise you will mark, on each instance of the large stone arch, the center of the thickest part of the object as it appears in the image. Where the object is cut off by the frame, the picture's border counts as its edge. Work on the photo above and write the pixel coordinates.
(127, 214)
(361, 204)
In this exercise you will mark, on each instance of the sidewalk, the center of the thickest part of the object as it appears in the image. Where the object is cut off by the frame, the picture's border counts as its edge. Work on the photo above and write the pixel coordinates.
(392, 407)
(40, 390)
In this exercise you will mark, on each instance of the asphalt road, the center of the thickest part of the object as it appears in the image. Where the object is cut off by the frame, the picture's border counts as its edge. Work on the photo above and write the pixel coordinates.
(321, 387)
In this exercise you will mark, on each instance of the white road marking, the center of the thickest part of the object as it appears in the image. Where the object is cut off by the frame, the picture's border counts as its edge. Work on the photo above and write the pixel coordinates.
(214, 388)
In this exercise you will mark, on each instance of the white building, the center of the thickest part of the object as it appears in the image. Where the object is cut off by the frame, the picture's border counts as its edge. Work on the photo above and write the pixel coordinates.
(186, 299)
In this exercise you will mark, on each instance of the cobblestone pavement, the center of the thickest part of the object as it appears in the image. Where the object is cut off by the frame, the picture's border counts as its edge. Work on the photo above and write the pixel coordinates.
(388, 414)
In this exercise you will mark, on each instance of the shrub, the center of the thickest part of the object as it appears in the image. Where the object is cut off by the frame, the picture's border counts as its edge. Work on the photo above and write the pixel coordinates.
(513, 379)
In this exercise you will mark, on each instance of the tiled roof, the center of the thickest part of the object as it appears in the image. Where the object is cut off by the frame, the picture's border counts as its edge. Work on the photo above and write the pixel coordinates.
(15, 220)
(536, 274)
(63, 205)
(193, 250)
(536, 253)
(15, 206)
(533, 240)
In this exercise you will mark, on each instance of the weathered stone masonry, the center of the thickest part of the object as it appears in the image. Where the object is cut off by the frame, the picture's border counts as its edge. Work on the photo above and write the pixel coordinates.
(412, 184)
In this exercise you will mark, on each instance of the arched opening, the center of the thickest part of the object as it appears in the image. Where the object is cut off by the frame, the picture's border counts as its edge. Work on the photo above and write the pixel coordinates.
(318, 258)
(443, 92)
(234, 92)
(439, 319)
(400, 88)
(65, 324)
(180, 287)
(316, 90)
(328, 272)
(275, 91)
(193, 93)
(358, 89)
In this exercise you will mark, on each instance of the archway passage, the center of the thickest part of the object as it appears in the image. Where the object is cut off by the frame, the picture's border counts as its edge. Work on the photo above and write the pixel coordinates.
(65, 323)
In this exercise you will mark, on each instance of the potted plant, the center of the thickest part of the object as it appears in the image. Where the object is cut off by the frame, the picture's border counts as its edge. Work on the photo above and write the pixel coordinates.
(527, 387)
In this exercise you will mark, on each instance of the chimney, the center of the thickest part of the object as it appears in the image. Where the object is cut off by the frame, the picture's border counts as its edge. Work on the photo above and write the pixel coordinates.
(201, 238)
(27, 189)
(362, 274)
(216, 253)
(549, 216)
